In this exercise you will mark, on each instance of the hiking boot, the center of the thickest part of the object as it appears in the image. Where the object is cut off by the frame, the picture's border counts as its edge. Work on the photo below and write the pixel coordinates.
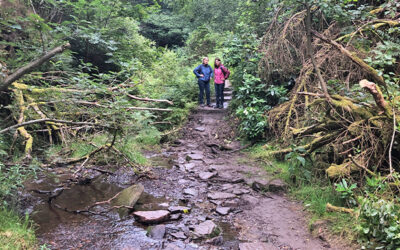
(221, 107)
(209, 105)
(202, 105)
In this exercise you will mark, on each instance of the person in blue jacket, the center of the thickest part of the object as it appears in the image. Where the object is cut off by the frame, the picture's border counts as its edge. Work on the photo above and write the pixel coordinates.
(204, 73)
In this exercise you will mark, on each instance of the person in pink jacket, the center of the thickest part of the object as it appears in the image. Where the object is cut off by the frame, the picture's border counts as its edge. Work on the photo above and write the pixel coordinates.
(219, 82)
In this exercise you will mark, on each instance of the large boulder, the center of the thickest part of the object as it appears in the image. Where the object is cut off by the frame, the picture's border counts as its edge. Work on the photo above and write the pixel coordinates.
(127, 197)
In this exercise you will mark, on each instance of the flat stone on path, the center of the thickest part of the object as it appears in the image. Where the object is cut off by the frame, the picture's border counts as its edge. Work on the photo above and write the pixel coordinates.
(240, 191)
(206, 229)
(191, 191)
(200, 129)
(127, 197)
(190, 166)
(179, 235)
(220, 195)
(157, 232)
(223, 210)
(257, 246)
(179, 209)
(207, 175)
(152, 217)
(194, 157)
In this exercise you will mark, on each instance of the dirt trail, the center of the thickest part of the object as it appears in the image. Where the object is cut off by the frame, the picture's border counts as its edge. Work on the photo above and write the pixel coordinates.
(220, 188)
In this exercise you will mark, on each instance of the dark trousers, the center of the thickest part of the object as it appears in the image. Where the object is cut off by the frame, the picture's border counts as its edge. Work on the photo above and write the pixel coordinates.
(219, 94)
(204, 85)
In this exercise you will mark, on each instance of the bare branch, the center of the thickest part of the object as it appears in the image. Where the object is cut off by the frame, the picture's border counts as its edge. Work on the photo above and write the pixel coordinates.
(149, 100)
(51, 120)
(150, 109)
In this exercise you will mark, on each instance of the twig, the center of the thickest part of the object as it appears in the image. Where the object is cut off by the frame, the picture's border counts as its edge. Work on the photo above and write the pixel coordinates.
(311, 53)
(391, 170)
(150, 109)
(360, 166)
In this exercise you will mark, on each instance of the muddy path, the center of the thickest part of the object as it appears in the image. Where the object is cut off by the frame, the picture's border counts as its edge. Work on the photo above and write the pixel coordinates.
(230, 203)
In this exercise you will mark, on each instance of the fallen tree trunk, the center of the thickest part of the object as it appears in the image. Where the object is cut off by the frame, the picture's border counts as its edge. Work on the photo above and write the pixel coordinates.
(32, 65)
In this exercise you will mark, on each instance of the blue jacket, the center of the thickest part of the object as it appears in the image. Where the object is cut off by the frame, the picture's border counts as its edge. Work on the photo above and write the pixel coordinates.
(206, 70)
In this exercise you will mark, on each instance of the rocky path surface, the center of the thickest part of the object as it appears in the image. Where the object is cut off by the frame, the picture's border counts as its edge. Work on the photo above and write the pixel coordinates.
(205, 195)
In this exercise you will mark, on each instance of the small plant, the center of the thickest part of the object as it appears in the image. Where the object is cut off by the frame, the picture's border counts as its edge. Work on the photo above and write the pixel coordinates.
(298, 166)
(379, 226)
(347, 192)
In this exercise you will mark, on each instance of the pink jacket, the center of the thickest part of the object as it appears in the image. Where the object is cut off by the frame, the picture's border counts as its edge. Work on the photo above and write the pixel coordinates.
(219, 76)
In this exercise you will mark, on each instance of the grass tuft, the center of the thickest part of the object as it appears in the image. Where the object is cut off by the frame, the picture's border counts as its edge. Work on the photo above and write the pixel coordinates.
(16, 232)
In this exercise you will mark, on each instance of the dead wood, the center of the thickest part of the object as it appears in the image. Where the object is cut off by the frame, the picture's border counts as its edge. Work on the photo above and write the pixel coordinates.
(332, 208)
(150, 100)
(31, 66)
(51, 120)
(378, 96)
(149, 109)
(371, 71)
(311, 53)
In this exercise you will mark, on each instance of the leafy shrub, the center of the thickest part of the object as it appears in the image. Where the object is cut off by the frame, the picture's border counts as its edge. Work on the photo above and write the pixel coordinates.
(346, 192)
(299, 166)
(379, 226)
(12, 178)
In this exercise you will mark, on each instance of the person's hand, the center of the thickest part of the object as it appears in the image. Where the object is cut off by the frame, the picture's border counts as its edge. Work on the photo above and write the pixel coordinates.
(201, 75)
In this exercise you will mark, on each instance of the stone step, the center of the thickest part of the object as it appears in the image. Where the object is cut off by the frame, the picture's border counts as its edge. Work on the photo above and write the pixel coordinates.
(228, 93)
(226, 98)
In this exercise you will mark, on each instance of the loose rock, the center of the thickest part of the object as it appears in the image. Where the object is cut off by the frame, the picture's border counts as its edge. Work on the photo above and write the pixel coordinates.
(191, 191)
(240, 191)
(207, 175)
(190, 166)
(128, 197)
(217, 241)
(277, 185)
(175, 216)
(200, 129)
(220, 195)
(179, 209)
(157, 232)
(194, 157)
(206, 229)
(151, 217)
(223, 210)
(179, 235)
